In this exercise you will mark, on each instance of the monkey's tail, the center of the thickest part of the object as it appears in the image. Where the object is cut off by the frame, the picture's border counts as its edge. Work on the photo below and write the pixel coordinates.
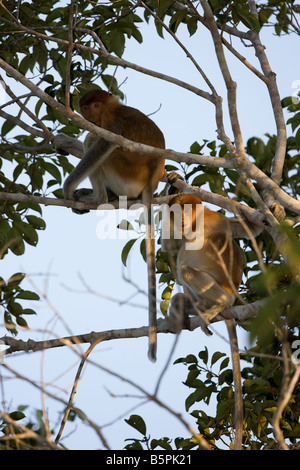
(150, 251)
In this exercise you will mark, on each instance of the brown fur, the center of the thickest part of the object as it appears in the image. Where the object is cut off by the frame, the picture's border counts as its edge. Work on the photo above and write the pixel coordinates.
(145, 169)
(218, 264)
(211, 276)
(123, 172)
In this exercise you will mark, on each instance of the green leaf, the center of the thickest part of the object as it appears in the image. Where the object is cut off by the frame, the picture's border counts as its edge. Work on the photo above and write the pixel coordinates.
(58, 193)
(192, 25)
(137, 423)
(16, 244)
(16, 279)
(204, 355)
(198, 395)
(27, 295)
(29, 233)
(53, 170)
(115, 42)
(134, 445)
(225, 409)
(162, 266)
(126, 250)
(189, 359)
(16, 415)
(224, 363)
(28, 311)
(164, 443)
(143, 249)
(196, 148)
(36, 222)
(216, 356)
(176, 19)
(22, 322)
(7, 127)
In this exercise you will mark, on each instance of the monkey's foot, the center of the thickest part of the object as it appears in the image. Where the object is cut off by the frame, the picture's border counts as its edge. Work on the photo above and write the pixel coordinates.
(80, 195)
(204, 325)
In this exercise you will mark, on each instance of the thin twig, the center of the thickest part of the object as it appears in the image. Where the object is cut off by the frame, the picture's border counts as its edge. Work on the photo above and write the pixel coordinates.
(186, 51)
(287, 388)
(73, 392)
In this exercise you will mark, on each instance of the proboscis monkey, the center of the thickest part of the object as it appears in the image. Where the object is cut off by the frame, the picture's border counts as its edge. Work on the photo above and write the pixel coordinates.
(115, 171)
(209, 267)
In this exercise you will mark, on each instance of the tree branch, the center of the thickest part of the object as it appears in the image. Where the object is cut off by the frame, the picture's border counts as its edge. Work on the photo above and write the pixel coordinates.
(271, 83)
(239, 313)
(230, 84)
(287, 388)
(232, 206)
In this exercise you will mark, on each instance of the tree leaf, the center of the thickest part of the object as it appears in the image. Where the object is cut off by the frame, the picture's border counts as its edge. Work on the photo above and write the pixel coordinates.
(126, 250)
(216, 356)
(27, 295)
(137, 423)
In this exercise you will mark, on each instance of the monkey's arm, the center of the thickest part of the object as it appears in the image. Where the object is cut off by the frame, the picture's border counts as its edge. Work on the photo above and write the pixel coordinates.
(96, 151)
(64, 145)
(92, 159)
(244, 229)
(209, 298)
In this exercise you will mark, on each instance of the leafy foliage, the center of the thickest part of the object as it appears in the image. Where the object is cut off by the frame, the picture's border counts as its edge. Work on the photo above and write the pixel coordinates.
(211, 381)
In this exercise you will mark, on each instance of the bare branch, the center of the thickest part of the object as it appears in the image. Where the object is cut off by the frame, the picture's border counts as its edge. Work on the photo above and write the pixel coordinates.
(271, 83)
(240, 313)
(230, 84)
(186, 51)
(73, 392)
(22, 124)
(84, 418)
(40, 124)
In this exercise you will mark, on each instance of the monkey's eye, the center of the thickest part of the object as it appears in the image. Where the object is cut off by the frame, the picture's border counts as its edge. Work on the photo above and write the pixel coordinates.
(97, 104)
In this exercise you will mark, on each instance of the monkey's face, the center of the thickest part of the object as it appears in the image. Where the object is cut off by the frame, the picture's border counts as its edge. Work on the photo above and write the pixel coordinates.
(92, 111)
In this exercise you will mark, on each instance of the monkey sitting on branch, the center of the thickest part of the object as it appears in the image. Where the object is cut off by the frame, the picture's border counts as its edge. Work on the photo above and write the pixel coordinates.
(210, 269)
(115, 171)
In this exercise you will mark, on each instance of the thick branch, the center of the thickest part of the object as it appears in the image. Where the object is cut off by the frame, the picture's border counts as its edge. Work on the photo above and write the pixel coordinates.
(240, 313)
(232, 206)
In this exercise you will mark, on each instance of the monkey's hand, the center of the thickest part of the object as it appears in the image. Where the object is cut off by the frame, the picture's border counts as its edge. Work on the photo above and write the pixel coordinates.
(64, 145)
(172, 178)
(278, 211)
